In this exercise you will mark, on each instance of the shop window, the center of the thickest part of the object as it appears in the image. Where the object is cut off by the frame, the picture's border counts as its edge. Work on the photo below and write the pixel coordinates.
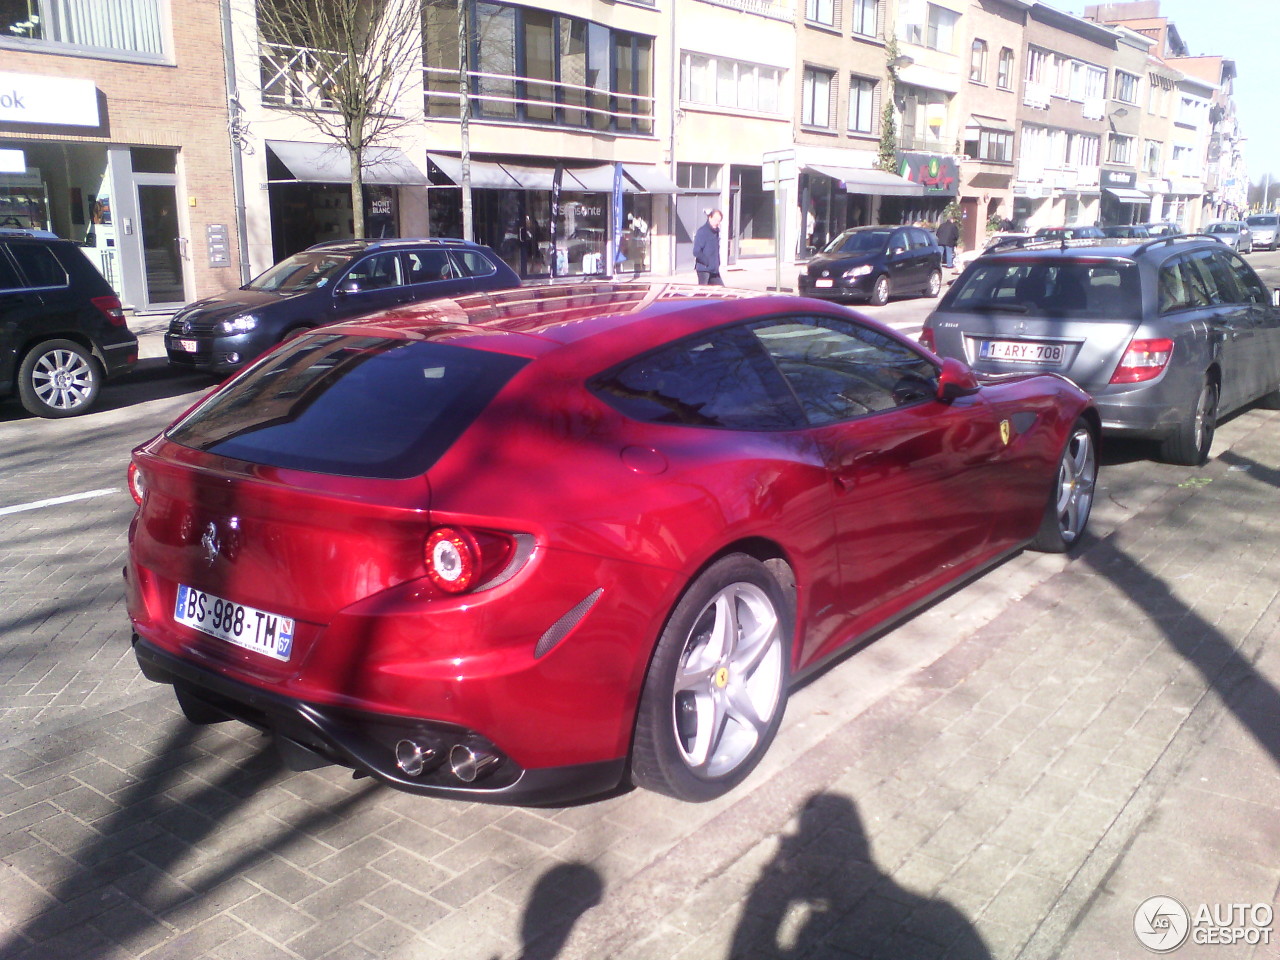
(123, 26)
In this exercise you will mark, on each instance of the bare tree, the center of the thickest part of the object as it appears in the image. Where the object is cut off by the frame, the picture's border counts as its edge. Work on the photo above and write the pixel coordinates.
(343, 65)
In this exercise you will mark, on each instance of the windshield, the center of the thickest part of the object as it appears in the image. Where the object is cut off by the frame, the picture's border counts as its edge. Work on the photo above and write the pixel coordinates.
(1263, 220)
(1224, 227)
(1051, 288)
(303, 271)
(859, 241)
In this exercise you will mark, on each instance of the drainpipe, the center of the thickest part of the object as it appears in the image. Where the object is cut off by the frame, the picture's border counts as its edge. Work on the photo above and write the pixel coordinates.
(675, 110)
(237, 166)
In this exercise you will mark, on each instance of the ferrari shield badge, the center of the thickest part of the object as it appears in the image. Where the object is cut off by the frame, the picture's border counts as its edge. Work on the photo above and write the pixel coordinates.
(1005, 431)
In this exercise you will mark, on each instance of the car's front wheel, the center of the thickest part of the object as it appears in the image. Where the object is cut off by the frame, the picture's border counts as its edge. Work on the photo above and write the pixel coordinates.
(1067, 512)
(934, 286)
(1189, 444)
(58, 378)
(880, 291)
(717, 684)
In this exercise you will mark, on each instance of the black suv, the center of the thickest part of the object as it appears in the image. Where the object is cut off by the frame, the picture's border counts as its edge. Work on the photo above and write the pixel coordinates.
(323, 284)
(62, 331)
(872, 263)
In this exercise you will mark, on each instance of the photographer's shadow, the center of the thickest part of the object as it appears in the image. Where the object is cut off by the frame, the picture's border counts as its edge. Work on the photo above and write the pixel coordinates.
(822, 896)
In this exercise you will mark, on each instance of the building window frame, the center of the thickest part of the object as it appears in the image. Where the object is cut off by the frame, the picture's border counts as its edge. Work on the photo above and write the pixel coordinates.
(818, 91)
(978, 61)
(864, 104)
(1004, 69)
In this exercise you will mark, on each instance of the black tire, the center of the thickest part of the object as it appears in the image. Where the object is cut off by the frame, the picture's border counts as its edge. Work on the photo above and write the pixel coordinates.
(1189, 444)
(59, 378)
(1067, 513)
(879, 291)
(708, 715)
(934, 286)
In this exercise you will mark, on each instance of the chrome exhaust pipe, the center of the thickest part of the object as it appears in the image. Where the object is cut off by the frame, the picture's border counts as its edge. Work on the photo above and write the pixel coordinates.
(413, 757)
(470, 762)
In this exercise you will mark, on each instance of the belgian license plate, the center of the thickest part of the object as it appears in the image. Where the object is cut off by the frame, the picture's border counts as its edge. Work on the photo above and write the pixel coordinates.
(1045, 354)
(257, 630)
(825, 282)
(188, 345)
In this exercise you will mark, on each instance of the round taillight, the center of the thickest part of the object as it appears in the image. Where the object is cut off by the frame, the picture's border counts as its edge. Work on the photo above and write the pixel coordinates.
(137, 483)
(453, 559)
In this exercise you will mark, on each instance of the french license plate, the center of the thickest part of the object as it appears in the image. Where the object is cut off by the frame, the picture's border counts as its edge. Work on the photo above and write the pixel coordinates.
(257, 630)
(188, 345)
(1045, 354)
(824, 282)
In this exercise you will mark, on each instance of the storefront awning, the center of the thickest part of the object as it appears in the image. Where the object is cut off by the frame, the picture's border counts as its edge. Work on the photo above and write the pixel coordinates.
(985, 180)
(876, 182)
(328, 163)
(1125, 195)
(990, 123)
(593, 180)
(483, 173)
(649, 179)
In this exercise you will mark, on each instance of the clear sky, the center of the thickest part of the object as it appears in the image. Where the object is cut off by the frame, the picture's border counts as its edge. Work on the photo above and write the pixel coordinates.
(1247, 31)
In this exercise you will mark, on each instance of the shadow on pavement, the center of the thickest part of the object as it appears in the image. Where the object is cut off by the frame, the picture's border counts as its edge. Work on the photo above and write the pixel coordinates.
(125, 874)
(822, 896)
(559, 898)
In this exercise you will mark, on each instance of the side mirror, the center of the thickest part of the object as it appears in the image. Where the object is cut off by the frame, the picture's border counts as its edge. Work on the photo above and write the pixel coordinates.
(347, 287)
(955, 380)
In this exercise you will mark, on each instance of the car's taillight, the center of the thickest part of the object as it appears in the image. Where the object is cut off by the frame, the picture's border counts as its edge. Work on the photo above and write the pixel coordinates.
(927, 340)
(459, 560)
(1143, 360)
(111, 309)
(137, 483)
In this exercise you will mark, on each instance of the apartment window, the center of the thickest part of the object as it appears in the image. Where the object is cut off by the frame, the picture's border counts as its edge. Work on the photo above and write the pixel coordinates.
(924, 118)
(822, 11)
(1184, 162)
(1095, 81)
(737, 84)
(1126, 89)
(1004, 69)
(863, 102)
(121, 26)
(995, 145)
(941, 29)
(1119, 149)
(978, 61)
(1151, 150)
(866, 17)
(818, 93)
(1037, 65)
(1088, 149)
(698, 176)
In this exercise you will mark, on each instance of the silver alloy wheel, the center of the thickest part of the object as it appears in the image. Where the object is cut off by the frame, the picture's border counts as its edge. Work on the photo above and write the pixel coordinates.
(1203, 422)
(728, 682)
(935, 283)
(1076, 477)
(63, 379)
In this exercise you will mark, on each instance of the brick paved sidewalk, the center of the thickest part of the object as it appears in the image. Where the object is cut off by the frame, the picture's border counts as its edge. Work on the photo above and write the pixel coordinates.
(1105, 732)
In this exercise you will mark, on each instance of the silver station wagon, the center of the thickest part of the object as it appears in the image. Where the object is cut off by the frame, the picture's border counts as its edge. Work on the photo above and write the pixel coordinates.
(1168, 335)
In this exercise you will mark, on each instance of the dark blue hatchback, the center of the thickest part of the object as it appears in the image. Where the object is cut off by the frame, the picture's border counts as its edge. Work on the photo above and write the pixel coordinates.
(324, 284)
(874, 263)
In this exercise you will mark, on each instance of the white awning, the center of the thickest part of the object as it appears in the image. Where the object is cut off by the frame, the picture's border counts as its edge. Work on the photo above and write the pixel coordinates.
(329, 163)
(877, 182)
(483, 174)
(649, 179)
(1125, 195)
(594, 179)
(982, 122)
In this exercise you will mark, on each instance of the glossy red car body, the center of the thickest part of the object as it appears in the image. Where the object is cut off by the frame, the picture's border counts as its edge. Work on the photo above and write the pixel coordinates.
(604, 519)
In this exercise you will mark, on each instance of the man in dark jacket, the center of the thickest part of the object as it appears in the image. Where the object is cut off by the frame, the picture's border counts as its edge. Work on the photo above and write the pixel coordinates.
(948, 236)
(706, 250)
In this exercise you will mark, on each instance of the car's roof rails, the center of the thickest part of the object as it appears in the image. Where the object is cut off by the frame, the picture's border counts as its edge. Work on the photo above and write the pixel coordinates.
(1174, 237)
(1055, 243)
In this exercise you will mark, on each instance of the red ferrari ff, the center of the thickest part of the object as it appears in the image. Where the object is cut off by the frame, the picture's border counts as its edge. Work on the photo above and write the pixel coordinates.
(535, 545)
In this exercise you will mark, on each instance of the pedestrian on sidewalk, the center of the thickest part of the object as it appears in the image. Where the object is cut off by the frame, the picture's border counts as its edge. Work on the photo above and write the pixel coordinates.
(948, 236)
(706, 250)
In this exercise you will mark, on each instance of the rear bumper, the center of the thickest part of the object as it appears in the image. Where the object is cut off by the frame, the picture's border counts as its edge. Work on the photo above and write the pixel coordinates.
(310, 735)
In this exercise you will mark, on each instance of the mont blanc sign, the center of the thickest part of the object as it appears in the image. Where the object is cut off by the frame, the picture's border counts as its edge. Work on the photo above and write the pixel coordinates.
(60, 101)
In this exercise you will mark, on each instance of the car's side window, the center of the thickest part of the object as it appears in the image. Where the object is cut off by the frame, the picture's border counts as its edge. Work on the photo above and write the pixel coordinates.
(840, 370)
(919, 239)
(427, 266)
(1201, 288)
(718, 379)
(1170, 288)
(9, 279)
(472, 264)
(1229, 283)
(1252, 289)
(39, 265)
(898, 241)
(378, 272)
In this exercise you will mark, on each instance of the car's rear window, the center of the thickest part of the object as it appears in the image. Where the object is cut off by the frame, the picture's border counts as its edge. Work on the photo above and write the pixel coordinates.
(1050, 287)
(350, 405)
(1263, 220)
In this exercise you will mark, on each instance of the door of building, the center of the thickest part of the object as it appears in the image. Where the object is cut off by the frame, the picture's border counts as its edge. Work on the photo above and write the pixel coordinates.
(162, 243)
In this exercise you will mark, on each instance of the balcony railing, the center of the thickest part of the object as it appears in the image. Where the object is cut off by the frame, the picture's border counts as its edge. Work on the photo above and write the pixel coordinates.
(298, 76)
(773, 9)
(508, 98)
(1036, 95)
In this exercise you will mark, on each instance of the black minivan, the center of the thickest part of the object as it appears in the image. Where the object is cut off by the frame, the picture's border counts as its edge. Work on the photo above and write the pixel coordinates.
(62, 329)
(323, 284)
(873, 263)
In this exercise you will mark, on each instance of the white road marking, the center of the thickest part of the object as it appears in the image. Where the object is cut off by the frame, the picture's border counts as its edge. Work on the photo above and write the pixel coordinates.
(54, 501)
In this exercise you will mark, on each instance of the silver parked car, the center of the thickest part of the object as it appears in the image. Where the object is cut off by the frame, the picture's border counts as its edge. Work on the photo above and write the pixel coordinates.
(1167, 335)
(1234, 233)
(1266, 229)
